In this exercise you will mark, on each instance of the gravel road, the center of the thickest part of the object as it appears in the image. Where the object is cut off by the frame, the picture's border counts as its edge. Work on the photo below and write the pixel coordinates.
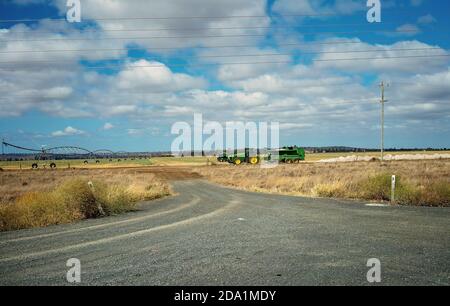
(210, 235)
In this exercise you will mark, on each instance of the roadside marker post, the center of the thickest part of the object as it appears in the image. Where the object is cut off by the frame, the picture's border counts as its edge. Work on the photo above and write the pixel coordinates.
(99, 206)
(393, 189)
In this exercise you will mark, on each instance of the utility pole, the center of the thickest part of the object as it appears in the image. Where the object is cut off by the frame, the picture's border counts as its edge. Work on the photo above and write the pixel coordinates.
(382, 101)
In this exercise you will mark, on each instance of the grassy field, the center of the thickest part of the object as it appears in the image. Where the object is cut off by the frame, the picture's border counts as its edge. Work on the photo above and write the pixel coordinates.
(30, 198)
(77, 163)
(106, 163)
(172, 161)
(40, 198)
(425, 183)
(312, 157)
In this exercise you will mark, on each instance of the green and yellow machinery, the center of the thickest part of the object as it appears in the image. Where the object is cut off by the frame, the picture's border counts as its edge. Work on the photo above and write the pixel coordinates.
(248, 156)
(287, 155)
(223, 158)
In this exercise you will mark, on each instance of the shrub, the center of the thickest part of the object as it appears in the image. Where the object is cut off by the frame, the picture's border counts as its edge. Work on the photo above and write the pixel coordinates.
(37, 209)
(434, 194)
(115, 199)
(333, 190)
(76, 194)
(377, 187)
(75, 200)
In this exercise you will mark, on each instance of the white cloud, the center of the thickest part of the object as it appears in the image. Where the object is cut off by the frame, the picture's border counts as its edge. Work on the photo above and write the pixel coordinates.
(111, 10)
(299, 96)
(407, 30)
(416, 2)
(426, 19)
(158, 77)
(397, 65)
(116, 110)
(68, 131)
(317, 8)
(108, 126)
(134, 131)
(27, 2)
(295, 126)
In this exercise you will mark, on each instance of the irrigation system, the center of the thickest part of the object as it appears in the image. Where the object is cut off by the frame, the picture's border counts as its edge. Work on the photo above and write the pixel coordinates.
(12, 152)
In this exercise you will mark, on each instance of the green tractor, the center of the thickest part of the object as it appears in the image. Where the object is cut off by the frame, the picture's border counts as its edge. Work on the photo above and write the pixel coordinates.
(223, 158)
(248, 156)
(287, 155)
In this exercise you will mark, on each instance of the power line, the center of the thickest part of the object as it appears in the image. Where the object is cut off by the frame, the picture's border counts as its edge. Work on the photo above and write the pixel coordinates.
(90, 30)
(150, 92)
(316, 113)
(253, 63)
(176, 17)
(381, 58)
(209, 36)
(366, 101)
(181, 47)
(372, 101)
(250, 55)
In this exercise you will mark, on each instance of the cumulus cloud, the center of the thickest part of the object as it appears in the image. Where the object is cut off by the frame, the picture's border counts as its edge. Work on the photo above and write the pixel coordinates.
(371, 60)
(324, 88)
(108, 126)
(317, 8)
(68, 131)
(407, 30)
(107, 13)
(156, 76)
(416, 2)
(426, 19)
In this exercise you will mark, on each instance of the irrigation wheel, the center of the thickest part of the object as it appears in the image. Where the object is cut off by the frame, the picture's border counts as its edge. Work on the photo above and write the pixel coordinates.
(254, 160)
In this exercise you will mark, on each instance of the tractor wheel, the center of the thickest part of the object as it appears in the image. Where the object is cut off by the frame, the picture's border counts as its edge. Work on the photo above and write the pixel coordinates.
(237, 162)
(297, 161)
(254, 160)
(289, 161)
(34, 166)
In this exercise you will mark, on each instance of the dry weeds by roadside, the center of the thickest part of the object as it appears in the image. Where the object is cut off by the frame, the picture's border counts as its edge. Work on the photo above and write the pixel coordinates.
(41, 198)
(425, 183)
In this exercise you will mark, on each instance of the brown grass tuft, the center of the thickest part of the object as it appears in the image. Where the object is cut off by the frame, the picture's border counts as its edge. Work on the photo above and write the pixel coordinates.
(425, 183)
(50, 199)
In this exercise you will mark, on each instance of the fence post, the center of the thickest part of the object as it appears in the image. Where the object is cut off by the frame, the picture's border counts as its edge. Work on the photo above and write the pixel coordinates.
(393, 189)
(100, 208)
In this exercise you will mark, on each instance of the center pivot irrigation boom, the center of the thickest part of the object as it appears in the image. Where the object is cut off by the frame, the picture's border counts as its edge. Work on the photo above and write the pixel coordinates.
(63, 153)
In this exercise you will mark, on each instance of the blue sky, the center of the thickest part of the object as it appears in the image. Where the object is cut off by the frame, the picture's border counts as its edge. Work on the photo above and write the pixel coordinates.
(311, 80)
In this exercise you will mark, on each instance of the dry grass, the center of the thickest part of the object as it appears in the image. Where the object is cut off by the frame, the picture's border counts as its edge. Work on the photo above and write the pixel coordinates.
(425, 183)
(41, 198)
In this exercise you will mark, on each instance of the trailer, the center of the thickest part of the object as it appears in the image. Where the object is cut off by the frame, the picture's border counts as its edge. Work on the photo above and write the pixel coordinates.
(287, 155)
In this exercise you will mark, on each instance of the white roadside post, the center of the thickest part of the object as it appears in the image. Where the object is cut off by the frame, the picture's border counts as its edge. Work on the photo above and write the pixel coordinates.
(99, 206)
(393, 189)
